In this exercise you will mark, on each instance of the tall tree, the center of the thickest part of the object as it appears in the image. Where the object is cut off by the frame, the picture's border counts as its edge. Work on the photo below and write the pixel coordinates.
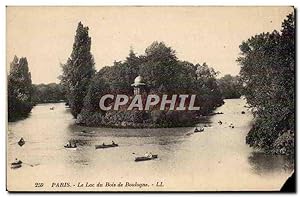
(19, 89)
(79, 70)
(268, 75)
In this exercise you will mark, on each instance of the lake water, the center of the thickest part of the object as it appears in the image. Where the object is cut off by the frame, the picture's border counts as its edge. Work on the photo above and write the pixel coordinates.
(216, 159)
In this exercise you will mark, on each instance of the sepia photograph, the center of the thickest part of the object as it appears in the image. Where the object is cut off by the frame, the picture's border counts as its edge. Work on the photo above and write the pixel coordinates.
(150, 98)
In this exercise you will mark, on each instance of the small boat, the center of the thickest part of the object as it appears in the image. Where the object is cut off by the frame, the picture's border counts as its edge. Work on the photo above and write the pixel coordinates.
(21, 142)
(16, 164)
(144, 158)
(51, 108)
(106, 146)
(70, 146)
(83, 131)
(87, 132)
(198, 130)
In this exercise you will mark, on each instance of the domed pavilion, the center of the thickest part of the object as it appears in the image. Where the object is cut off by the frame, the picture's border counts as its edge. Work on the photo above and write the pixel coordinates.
(138, 85)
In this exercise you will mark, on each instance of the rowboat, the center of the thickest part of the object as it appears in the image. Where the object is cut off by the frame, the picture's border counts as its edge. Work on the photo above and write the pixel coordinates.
(70, 147)
(144, 158)
(17, 164)
(21, 142)
(87, 132)
(198, 130)
(106, 146)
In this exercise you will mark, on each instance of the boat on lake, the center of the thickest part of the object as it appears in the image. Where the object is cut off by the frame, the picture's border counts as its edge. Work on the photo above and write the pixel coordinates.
(198, 130)
(87, 132)
(146, 158)
(69, 146)
(105, 146)
(21, 142)
(16, 164)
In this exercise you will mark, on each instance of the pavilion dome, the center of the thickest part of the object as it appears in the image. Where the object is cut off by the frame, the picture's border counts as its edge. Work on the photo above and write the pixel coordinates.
(138, 81)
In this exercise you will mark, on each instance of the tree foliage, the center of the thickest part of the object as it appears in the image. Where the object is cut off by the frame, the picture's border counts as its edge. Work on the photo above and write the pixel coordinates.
(268, 73)
(230, 86)
(48, 93)
(19, 89)
(78, 70)
(163, 73)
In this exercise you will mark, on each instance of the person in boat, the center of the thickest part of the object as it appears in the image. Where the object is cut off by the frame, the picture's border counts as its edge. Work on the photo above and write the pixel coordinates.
(17, 161)
(196, 130)
(150, 155)
(146, 154)
(220, 122)
(69, 144)
(113, 143)
(103, 144)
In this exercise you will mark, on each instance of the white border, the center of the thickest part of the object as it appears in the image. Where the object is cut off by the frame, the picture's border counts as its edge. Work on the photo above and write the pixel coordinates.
(3, 4)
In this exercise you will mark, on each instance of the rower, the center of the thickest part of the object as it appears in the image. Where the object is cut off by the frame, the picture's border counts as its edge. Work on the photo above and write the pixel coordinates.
(113, 142)
(17, 161)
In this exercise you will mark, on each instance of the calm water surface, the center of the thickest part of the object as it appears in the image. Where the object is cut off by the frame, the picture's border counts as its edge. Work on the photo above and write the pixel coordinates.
(217, 159)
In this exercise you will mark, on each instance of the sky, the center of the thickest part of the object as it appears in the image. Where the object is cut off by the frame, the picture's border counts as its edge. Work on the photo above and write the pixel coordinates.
(45, 35)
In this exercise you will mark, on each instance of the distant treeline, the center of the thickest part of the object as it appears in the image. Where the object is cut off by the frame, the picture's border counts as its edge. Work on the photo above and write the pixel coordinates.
(231, 86)
(268, 73)
(48, 93)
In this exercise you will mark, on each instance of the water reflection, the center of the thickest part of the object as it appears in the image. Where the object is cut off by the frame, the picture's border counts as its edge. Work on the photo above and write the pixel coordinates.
(262, 163)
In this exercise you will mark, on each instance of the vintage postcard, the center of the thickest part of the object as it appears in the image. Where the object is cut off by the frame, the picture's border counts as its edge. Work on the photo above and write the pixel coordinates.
(143, 99)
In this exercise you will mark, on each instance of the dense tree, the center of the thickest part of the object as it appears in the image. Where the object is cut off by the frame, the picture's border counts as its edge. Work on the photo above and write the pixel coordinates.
(78, 70)
(268, 73)
(206, 87)
(163, 73)
(19, 89)
(48, 93)
(230, 86)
